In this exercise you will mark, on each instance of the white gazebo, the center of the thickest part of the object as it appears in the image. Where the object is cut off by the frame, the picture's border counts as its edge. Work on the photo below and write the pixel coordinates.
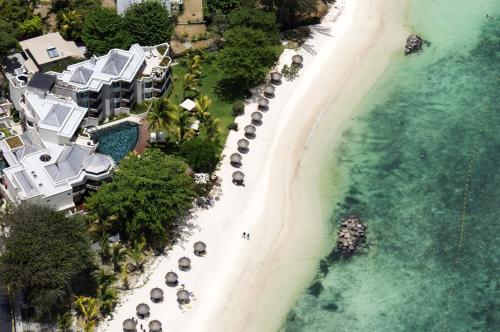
(188, 105)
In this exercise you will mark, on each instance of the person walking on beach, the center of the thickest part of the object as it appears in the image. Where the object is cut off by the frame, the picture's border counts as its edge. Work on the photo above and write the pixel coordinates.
(248, 236)
(244, 235)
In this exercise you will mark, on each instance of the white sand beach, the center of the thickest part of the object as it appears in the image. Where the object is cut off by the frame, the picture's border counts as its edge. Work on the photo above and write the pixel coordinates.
(249, 285)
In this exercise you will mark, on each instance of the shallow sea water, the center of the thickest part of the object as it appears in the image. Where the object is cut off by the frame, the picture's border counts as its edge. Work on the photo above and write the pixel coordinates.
(420, 165)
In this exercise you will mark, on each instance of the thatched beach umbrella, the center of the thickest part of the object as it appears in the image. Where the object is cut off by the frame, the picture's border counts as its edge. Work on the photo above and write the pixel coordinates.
(269, 91)
(256, 118)
(276, 77)
(172, 279)
(154, 326)
(156, 295)
(238, 177)
(200, 248)
(235, 159)
(250, 131)
(297, 60)
(263, 103)
(243, 145)
(142, 310)
(184, 263)
(183, 296)
(129, 325)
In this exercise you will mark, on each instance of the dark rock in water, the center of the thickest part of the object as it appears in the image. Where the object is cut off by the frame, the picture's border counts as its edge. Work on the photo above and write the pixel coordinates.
(330, 307)
(315, 289)
(413, 44)
(351, 236)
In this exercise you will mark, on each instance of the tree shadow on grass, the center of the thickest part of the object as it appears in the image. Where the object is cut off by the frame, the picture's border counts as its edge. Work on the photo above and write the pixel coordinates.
(229, 90)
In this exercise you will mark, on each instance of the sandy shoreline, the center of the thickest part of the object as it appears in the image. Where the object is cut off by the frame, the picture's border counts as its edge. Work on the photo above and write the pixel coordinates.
(249, 285)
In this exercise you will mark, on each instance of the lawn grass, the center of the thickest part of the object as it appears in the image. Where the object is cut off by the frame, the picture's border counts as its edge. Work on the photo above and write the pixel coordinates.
(222, 110)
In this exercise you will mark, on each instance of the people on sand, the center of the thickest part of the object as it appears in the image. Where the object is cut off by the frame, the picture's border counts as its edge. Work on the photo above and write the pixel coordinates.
(244, 235)
(248, 236)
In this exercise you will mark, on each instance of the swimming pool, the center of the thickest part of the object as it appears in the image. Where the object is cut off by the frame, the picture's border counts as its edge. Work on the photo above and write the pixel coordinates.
(117, 140)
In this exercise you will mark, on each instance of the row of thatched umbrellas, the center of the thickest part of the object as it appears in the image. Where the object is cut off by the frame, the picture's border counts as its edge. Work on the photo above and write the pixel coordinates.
(250, 130)
(156, 294)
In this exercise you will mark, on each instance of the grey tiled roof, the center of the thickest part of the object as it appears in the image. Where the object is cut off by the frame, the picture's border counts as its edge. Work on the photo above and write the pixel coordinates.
(81, 75)
(25, 183)
(68, 164)
(115, 63)
(56, 115)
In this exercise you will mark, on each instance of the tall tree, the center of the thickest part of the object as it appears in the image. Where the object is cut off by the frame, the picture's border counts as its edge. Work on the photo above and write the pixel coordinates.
(201, 154)
(69, 23)
(289, 11)
(147, 196)
(246, 57)
(148, 22)
(256, 19)
(30, 262)
(191, 83)
(103, 30)
(87, 309)
(225, 6)
(202, 104)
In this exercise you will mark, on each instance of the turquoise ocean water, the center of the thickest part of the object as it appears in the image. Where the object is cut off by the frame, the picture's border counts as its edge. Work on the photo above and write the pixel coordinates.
(421, 166)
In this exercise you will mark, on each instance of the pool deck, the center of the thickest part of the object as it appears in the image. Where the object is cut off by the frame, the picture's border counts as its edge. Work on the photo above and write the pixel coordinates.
(143, 139)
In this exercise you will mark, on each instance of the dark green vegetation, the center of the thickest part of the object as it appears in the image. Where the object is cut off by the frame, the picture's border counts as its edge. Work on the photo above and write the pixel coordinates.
(148, 23)
(14, 16)
(45, 253)
(425, 178)
(201, 154)
(250, 48)
(103, 30)
(71, 15)
(147, 198)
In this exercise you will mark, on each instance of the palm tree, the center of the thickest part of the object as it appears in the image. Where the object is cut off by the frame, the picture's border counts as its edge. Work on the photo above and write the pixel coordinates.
(194, 65)
(202, 105)
(211, 128)
(180, 128)
(106, 294)
(191, 83)
(136, 253)
(118, 255)
(88, 310)
(64, 322)
(124, 276)
(161, 113)
(70, 23)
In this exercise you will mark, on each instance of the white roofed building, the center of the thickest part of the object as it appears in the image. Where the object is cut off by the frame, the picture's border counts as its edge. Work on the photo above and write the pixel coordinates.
(111, 84)
(44, 163)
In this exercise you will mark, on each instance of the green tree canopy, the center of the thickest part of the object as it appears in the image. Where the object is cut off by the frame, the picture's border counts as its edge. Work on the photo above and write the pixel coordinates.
(224, 6)
(255, 19)
(103, 30)
(246, 57)
(288, 11)
(32, 27)
(12, 14)
(148, 23)
(148, 194)
(202, 155)
(44, 253)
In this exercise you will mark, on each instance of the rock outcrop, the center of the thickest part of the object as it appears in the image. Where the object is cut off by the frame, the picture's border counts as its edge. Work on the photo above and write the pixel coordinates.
(351, 236)
(413, 44)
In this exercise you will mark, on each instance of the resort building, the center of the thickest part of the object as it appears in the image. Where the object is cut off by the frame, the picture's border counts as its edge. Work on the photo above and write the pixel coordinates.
(50, 157)
(172, 5)
(112, 84)
(43, 51)
(44, 164)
